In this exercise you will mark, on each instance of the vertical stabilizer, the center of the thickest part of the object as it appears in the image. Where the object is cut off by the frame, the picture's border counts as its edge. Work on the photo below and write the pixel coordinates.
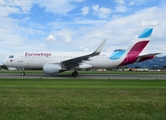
(133, 51)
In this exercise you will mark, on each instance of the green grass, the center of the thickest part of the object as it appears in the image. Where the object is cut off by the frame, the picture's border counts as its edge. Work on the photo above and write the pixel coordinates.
(41, 99)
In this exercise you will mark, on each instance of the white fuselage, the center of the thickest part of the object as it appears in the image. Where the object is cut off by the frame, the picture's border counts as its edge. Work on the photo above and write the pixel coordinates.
(37, 60)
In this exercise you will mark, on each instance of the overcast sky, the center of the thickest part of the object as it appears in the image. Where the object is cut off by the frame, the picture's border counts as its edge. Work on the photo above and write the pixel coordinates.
(79, 25)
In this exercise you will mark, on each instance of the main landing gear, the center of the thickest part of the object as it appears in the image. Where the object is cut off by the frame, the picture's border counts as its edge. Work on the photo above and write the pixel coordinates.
(22, 73)
(74, 74)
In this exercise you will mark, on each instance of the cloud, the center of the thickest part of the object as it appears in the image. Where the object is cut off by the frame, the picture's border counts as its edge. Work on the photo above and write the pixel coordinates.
(101, 12)
(131, 3)
(25, 5)
(58, 6)
(81, 47)
(149, 23)
(7, 10)
(54, 6)
(67, 38)
(121, 8)
(50, 39)
(22, 6)
(86, 49)
(122, 30)
(85, 10)
(120, 1)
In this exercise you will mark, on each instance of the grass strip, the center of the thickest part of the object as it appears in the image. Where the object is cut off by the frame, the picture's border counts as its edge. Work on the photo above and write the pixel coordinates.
(37, 99)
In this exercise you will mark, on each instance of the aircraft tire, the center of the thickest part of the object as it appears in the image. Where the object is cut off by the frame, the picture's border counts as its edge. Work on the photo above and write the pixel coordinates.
(22, 73)
(74, 74)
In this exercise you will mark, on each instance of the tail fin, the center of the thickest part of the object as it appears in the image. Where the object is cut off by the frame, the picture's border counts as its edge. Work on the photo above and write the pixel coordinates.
(141, 41)
(133, 51)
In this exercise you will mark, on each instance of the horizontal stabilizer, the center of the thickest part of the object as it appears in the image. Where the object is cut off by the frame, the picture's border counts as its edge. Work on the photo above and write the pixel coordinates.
(148, 55)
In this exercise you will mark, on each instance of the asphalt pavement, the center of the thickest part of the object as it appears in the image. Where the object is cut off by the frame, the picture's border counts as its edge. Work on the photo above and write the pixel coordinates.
(86, 76)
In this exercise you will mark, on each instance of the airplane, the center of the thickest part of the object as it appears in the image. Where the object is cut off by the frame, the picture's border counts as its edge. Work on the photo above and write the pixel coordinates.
(56, 62)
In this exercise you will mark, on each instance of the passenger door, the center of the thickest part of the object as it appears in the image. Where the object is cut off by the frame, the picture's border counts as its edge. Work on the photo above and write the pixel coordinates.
(20, 57)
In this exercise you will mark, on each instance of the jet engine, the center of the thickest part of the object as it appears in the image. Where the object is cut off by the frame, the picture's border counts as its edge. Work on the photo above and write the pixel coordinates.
(50, 68)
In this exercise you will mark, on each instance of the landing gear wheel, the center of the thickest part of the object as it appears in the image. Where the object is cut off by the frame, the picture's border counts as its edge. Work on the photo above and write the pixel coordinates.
(22, 73)
(74, 74)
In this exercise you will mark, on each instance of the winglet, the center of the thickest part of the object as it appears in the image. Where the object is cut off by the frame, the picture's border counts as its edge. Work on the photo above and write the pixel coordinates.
(99, 49)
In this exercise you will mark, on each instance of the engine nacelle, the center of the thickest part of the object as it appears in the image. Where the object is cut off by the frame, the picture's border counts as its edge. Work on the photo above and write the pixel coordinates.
(50, 68)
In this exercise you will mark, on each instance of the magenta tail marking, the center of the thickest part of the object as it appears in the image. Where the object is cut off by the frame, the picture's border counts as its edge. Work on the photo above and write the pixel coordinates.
(134, 52)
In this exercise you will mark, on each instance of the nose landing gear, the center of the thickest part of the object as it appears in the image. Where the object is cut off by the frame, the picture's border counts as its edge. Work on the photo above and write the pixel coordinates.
(22, 73)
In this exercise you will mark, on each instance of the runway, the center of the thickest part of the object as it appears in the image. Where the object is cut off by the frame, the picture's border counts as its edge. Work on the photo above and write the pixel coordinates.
(85, 76)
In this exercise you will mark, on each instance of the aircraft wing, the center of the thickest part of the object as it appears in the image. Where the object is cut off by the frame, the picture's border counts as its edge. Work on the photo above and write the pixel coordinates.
(148, 55)
(71, 63)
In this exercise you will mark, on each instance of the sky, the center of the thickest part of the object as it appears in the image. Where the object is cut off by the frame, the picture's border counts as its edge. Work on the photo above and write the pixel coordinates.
(79, 25)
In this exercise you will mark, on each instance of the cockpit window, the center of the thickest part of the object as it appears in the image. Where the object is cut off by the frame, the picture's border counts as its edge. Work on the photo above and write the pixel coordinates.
(11, 56)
